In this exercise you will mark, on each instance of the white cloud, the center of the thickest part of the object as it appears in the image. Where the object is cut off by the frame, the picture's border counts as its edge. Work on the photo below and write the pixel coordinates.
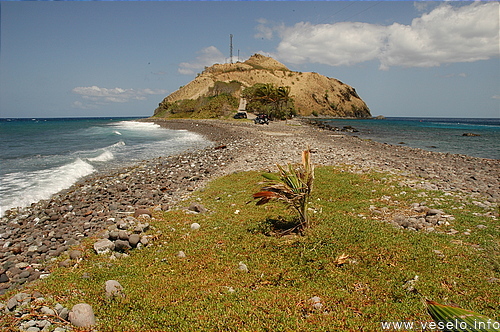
(344, 43)
(447, 34)
(496, 97)
(207, 57)
(264, 31)
(94, 96)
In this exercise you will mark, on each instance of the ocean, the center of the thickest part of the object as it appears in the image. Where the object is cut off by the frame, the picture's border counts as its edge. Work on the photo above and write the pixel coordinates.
(40, 157)
(432, 134)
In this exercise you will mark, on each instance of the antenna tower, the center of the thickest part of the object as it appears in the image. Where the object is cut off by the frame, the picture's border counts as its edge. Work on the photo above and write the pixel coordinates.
(231, 47)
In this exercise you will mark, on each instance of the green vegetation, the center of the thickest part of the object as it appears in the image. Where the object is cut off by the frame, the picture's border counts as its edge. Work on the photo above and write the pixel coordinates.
(450, 318)
(355, 264)
(266, 98)
(219, 102)
(218, 106)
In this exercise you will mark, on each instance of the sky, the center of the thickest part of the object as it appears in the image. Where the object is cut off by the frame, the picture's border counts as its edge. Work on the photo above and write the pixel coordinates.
(86, 59)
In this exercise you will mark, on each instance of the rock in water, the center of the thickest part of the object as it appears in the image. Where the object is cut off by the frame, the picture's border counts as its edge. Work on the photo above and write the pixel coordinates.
(82, 315)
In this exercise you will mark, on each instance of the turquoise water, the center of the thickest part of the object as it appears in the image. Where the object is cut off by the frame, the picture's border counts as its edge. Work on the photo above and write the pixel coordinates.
(40, 157)
(433, 134)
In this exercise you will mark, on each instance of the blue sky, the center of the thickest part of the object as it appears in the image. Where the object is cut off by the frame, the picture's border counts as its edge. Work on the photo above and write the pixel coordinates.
(122, 58)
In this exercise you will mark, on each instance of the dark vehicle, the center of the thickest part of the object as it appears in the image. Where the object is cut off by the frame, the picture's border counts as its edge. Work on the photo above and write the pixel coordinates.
(261, 119)
(240, 115)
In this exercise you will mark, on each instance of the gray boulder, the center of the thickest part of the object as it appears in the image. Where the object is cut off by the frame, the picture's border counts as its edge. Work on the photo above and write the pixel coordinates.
(104, 246)
(114, 289)
(122, 245)
(198, 208)
(82, 315)
(134, 239)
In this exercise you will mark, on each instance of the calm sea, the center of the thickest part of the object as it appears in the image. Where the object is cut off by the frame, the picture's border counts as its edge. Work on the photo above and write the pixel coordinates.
(40, 157)
(433, 134)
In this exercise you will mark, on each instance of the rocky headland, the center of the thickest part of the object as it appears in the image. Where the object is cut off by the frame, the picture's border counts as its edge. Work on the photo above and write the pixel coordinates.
(313, 93)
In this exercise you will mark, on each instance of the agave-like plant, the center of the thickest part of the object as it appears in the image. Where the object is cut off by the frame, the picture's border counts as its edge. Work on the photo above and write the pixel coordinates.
(450, 318)
(292, 185)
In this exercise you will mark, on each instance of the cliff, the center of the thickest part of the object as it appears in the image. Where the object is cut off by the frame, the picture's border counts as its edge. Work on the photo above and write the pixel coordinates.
(313, 93)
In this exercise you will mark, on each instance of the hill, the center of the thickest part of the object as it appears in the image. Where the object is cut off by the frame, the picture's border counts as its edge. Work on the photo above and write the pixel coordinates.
(313, 93)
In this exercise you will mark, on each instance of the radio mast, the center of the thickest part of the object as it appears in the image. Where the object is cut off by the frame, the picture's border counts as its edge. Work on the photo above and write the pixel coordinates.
(231, 47)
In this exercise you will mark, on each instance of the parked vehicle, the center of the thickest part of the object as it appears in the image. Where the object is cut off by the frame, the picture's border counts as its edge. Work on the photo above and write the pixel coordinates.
(261, 119)
(240, 115)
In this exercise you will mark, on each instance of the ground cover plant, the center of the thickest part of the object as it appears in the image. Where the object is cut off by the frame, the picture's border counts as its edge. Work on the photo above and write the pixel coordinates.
(346, 272)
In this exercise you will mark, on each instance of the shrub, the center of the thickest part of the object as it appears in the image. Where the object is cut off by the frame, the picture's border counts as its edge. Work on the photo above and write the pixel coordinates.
(292, 185)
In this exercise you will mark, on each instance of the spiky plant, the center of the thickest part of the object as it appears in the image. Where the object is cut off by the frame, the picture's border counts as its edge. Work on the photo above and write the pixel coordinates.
(292, 185)
(450, 318)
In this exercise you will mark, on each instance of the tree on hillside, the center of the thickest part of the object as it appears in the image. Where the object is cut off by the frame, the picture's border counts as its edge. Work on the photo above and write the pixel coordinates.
(268, 99)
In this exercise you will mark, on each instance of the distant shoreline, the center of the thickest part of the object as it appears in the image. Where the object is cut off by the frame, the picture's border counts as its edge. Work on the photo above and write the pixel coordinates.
(354, 151)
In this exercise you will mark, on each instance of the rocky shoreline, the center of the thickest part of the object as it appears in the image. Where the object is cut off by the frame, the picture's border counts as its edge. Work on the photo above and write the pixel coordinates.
(31, 239)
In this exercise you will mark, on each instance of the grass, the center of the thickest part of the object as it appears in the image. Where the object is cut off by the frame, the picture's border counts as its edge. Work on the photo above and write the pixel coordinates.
(206, 291)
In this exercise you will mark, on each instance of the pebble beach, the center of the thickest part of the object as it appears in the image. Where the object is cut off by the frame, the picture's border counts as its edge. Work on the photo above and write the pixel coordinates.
(32, 238)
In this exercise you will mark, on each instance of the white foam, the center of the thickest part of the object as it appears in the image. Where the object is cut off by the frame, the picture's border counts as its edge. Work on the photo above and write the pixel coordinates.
(105, 156)
(116, 132)
(117, 144)
(25, 188)
(189, 137)
(136, 125)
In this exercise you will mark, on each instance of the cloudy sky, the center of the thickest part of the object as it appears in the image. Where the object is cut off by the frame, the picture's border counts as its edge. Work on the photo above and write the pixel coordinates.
(122, 58)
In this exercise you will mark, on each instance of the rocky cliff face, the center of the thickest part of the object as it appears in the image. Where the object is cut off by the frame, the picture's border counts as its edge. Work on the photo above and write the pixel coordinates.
(313, 93)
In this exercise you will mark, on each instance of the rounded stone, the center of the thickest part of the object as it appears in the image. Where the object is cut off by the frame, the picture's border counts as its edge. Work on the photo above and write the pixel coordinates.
(25, 274)
(134, 239)
(64, 313)
(82, 315)
(122, 235)
(4, 278)
(103, 246)
(65, 263)
(140, 212)
(242, 267)
(433, 212)
(113, 288)
(75, 254)
(195, 226)
(122, 245)
(316, 302)
(47, 311)
(113, 235)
